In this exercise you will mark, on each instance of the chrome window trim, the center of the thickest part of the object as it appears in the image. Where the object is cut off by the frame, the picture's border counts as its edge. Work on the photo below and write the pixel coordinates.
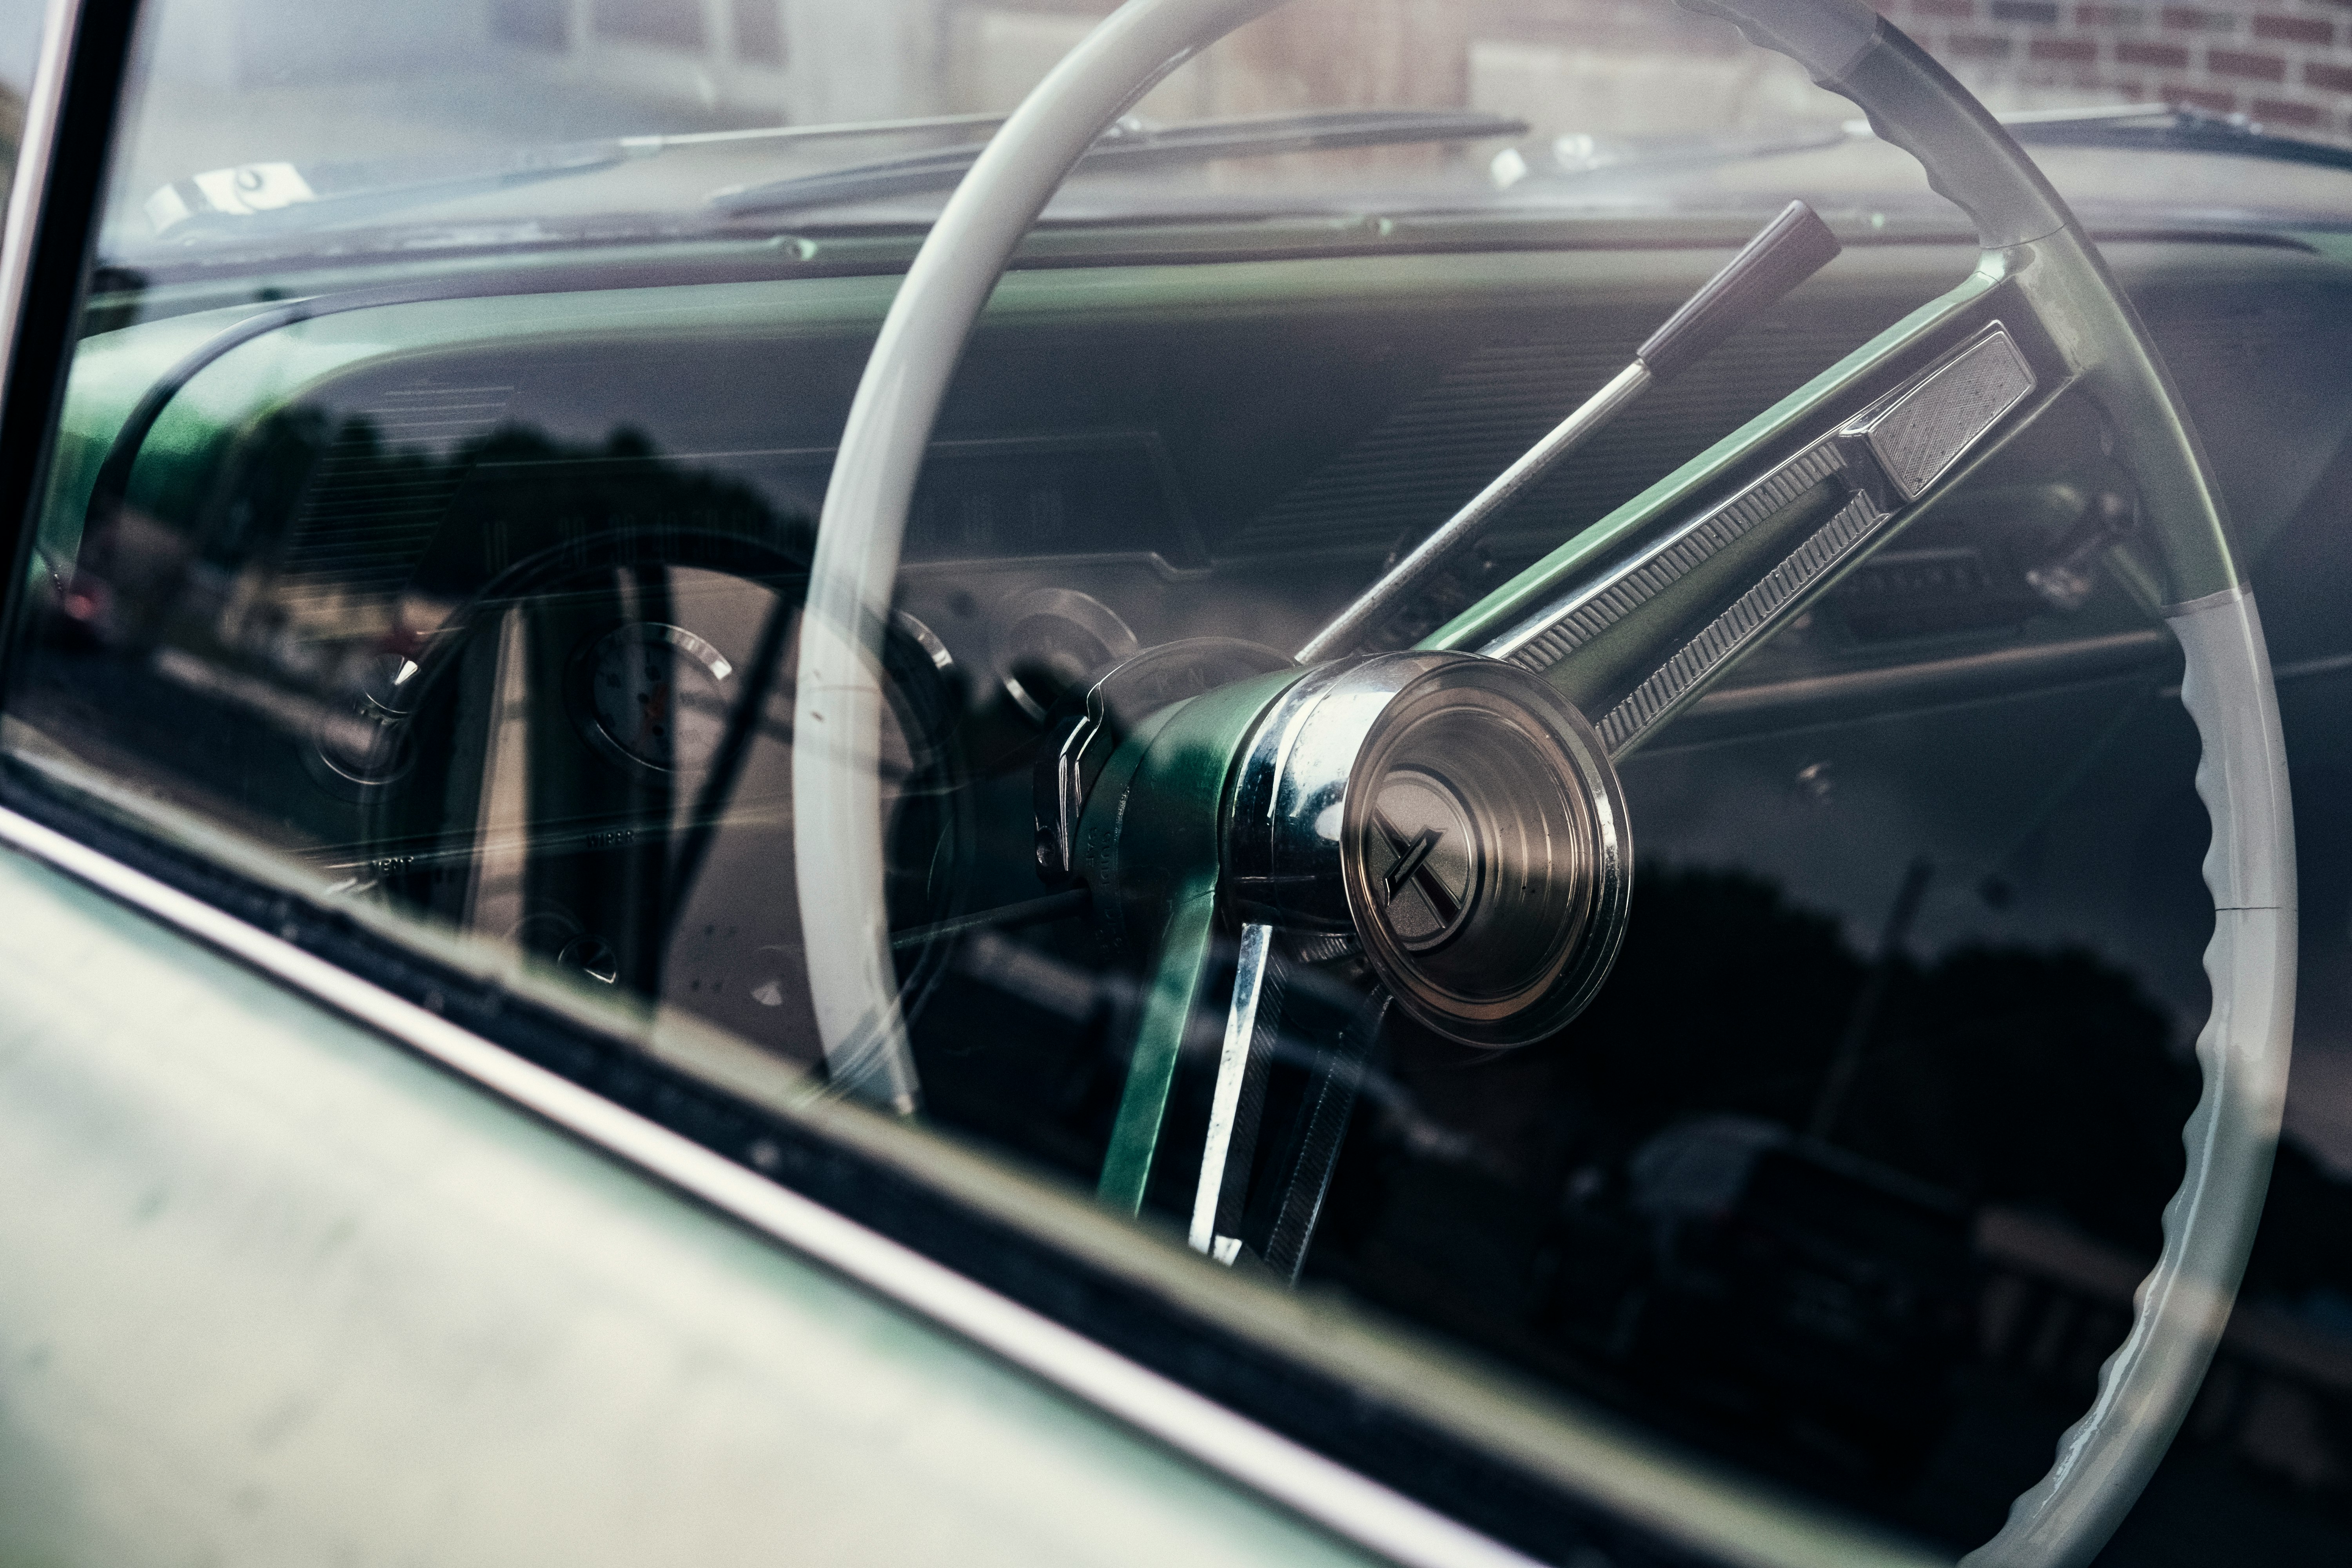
(1319, 1488)
(29, 190)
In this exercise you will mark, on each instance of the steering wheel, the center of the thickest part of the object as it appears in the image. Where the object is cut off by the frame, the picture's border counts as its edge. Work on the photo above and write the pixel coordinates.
(1320, 802)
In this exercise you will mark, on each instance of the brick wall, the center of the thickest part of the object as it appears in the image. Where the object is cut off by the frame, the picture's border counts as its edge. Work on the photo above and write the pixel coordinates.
(1626, 66)
(2285, 63)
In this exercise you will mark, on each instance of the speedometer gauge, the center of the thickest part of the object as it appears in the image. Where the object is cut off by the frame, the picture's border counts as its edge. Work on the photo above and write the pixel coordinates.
(655, 695)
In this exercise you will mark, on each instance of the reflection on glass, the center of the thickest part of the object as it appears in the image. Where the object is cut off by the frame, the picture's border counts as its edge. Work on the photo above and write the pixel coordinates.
(480, 609)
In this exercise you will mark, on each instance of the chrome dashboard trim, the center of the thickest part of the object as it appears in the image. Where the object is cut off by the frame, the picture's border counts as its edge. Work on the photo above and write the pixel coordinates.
(1288, 1473)
(1923, 685)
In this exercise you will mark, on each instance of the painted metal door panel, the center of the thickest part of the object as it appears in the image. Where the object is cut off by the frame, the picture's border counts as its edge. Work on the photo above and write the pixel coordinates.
(278, 1291)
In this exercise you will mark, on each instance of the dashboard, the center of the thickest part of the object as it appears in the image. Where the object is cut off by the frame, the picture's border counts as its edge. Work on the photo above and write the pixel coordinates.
(1127, 458)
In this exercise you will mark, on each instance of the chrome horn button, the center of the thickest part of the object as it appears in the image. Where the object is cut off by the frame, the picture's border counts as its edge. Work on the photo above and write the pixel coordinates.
(1458, 816)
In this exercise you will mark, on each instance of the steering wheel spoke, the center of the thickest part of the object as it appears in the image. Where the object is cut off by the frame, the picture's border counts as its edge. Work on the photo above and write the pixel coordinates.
(1180, 974)
(1237, 1103)
(1269, 1207)
(1633, 618)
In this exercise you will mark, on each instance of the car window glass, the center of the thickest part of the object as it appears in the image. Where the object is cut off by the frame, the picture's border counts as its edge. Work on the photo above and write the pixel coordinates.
(428, 523)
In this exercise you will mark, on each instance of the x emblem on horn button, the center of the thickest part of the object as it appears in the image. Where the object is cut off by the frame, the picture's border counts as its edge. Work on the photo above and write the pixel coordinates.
(1413, 865)
(1432, 876)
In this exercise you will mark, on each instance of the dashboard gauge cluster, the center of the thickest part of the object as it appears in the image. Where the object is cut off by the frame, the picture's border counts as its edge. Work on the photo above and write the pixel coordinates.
(589, 760)
(361, 739)
(1051, 641)
(653, 696)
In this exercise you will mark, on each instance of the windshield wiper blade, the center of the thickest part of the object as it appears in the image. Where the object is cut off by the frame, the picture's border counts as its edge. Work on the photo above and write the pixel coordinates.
(254, 196)
(1131, 144)
(2154, 127)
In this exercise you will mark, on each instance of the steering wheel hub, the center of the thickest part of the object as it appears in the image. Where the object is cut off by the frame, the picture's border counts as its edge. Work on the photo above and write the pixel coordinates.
(1456, 815)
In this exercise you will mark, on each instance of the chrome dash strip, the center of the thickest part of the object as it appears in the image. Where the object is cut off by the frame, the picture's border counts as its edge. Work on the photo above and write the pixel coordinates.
(1560, 628)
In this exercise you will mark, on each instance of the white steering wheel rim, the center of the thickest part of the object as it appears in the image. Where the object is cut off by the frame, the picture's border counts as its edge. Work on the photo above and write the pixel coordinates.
(2146, 1388)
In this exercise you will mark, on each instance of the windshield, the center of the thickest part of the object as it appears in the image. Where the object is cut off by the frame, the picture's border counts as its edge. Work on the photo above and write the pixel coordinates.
(533, 122)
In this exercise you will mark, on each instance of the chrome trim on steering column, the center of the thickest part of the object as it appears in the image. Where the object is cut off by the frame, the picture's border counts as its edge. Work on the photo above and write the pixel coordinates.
(1239, 1096)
